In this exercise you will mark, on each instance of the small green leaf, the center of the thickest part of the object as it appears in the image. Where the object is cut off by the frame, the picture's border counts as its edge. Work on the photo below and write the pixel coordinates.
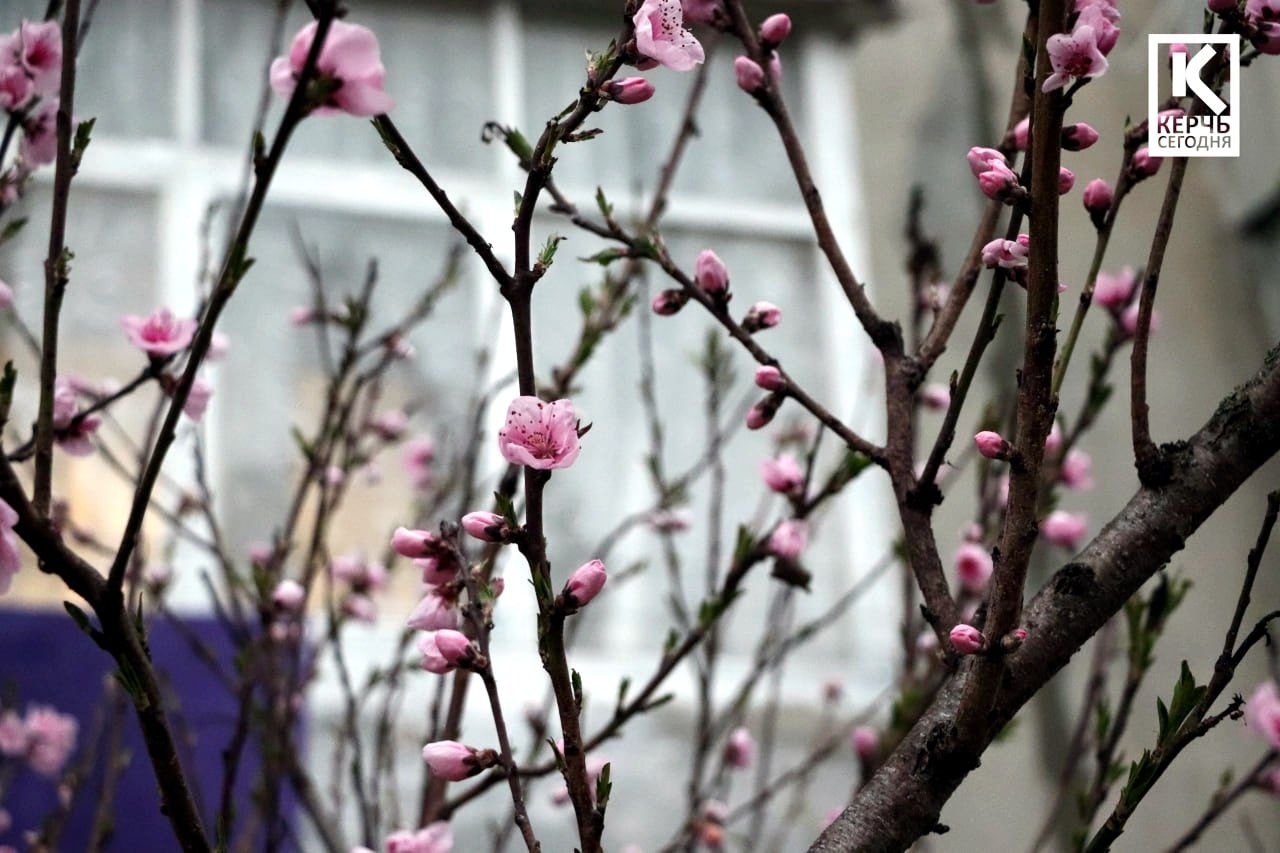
(548, 253)
(11, 229)
(603, 204)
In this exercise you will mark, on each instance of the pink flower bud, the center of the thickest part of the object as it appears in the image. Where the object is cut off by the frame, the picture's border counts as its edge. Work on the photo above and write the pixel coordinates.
(1078, 137)
(632, 90)
(775, 29)
(1010, 254)
(1143, 164)
(437, 571)
(866, 743)
(485, 526)
(451, 760)
(584, 584)
(1114, 292)
(288, 595)
(302, 315)
(1053, 441)
(749, 74)
(1064, 529)
(936, 397)
(739, 749)
(444, 650)
(433, 612)
(669, 520)
(669, 302)
(1076, 472)
(967, 640)
(998, 183)
(984, 159)
(416, 543)
(711, 274)
(1097, 199)
(782, 474)
(789, 539)
(762, 315)
(1262, 713)
(1129, 321)
(973, 567)
(992, 445)
(769, 377)
(1021, 134)
(1066, 180)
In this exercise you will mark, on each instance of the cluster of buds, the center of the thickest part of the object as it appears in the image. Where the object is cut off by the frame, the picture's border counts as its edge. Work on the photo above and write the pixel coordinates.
(749, 74)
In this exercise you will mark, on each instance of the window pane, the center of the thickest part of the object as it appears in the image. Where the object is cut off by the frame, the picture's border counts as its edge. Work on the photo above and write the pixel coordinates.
(274, 377)
(125, 77)
(736, 152)
(437, 71)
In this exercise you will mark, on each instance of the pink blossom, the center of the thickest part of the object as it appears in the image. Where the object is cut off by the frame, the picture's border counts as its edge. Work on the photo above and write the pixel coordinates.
(362, 575)
(999, 182)
(1010, 254)
(1053, 441)
(1099, 17)
(749, 74)
(584, 584)
(789, 539)
(361, 608)
(866, 742)
(1078, 137)
(1066, 180)
(1143, 165)
(973, 566)
(762, 315)
(451, 760)
(15, 88)
(1262, 713)
(485, 526)
(661, 36)
(1077, 470)
(759, 415)
(992, 445)
(1064, 529)
(769, 377)
(301, 315)
(444, 650)
(72, 437)
(539, 435)
(419, 453)
(434, 838)
(38, 49)
(13, 734)
(1113, 292)
(711, 274)
(782, 474)
(1022, 134)
(434, 612)
(438, 570)
(740, 748)
(51, 738)
(389, 425)
(218, 346)
(40, 134)
(984, 159)
(349, 70)
(418, 543)
(966, 639)
(160, 334)
(632, 90)
(1097, 199)
(1129, 320)
(198, 399)
(775, 29)
(1074, 56)
(288, 595)
(936, 397)
(10, 557)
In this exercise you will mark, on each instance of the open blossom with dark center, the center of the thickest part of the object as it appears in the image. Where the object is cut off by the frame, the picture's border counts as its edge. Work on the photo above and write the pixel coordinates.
(349, 70)
(160, 334)
(51, 738)
(436, 610)
(538, 434)
(40, 134)
(661, 36)
(35, 48)
(1074, 56)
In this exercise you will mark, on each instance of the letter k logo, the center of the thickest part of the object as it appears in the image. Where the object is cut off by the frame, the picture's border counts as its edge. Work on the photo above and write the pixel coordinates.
(1186, 73)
